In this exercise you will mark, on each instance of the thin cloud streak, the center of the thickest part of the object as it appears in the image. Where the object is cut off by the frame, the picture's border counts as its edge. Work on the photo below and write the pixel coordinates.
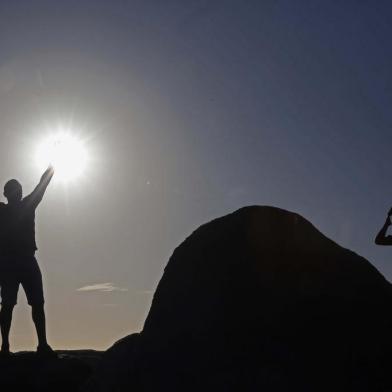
(102, 287)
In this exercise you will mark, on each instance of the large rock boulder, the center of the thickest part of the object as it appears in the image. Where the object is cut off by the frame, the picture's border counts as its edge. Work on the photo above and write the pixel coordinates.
(261, 300)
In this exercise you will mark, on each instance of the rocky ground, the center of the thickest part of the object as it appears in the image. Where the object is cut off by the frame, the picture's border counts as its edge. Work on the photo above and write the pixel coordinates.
(27, 371)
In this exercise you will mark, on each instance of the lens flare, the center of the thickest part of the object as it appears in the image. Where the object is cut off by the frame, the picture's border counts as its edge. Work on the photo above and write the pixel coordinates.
(65, 152)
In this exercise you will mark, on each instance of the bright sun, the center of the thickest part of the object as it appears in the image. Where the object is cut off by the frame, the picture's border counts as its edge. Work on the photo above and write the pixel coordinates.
(65, 153)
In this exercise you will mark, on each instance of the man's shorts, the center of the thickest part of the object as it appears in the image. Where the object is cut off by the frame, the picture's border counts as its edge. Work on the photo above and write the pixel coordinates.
(24, 270)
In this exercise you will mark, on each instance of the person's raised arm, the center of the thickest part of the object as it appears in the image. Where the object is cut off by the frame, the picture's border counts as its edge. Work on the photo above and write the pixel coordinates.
(382, 238)
(36, 196)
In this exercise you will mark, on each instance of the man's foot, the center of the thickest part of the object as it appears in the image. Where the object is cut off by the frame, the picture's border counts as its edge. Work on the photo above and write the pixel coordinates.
(45, 350)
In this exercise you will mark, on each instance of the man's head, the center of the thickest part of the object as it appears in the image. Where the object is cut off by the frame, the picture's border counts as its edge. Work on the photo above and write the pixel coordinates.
(13, 191)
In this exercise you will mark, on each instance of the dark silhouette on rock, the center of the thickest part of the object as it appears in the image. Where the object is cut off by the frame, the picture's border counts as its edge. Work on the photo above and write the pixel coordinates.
(18, 265)
(260, 300)
(382, 238)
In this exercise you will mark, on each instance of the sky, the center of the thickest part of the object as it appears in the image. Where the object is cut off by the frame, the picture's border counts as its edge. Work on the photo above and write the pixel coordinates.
(189, 110)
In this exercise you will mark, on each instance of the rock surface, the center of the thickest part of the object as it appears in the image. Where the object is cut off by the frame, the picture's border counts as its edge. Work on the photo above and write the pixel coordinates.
(27, 371)
(116, 371)
(261, 300)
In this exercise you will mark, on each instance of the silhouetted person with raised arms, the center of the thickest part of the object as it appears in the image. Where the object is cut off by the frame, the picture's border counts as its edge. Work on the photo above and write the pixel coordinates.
(382, 238)
(18, 264)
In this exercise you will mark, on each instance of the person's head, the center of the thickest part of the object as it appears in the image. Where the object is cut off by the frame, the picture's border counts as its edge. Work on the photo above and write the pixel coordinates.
(13, 191)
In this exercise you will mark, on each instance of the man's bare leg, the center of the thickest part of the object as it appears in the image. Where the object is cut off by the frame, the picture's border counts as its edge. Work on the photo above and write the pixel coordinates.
(5, 324)
(38, 314)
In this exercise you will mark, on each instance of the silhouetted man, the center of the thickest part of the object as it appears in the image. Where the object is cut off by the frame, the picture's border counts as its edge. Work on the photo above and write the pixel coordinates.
(17, 261)
(382, 238)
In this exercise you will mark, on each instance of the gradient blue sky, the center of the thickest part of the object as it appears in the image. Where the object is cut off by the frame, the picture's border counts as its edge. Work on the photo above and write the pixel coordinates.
(190, 109)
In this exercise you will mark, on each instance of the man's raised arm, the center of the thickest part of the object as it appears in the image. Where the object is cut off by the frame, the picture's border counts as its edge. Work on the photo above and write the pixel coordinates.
(382, 238)
(36, 196)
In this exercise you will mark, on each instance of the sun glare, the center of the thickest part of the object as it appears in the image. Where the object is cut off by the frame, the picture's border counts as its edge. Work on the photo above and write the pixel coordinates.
(65, 152)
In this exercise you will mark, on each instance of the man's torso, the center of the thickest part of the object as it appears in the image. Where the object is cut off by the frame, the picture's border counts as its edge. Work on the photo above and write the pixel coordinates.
(17, 229)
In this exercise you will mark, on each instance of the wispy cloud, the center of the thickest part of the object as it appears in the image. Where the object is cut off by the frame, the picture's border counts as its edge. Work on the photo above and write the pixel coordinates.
(103, 287)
